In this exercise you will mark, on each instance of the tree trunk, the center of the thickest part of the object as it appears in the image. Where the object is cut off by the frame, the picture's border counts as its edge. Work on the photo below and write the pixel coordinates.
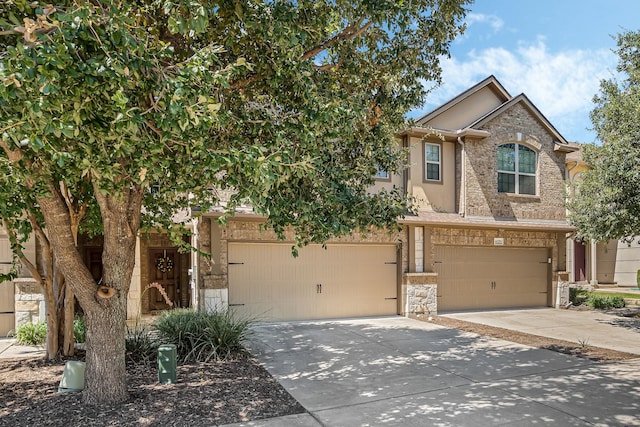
(105, 312)
(53, 322)
(105, 371)
(106, 327)
(68, 316)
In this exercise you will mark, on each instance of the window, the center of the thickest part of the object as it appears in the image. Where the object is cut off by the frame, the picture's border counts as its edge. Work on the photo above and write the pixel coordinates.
(432, 162)
(381, 173)
(517, 165)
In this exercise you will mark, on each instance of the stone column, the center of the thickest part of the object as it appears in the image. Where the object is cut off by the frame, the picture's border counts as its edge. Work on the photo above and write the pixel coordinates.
(562, 290)
(420, 293)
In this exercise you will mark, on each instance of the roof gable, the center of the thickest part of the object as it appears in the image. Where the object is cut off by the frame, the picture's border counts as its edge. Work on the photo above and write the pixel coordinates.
(468, 106)
(529, 106)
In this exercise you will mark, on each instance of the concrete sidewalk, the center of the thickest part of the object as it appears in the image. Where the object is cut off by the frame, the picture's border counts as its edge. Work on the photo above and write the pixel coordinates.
(591, 327)
(9, 349)
(402, 372)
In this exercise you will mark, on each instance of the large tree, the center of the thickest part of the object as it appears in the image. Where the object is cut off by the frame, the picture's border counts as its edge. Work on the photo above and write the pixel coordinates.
(606, 203)
(287, 105)
(21, 219)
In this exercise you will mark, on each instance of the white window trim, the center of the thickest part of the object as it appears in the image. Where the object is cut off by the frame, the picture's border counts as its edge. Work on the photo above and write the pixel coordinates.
(382, 175)
(431, 162)
(517, 173)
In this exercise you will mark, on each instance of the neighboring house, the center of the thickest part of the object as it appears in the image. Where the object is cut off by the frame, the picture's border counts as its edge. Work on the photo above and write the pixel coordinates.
(157, 260)
(612, 263)
(490, 232)
(488, 177)
(21, 301)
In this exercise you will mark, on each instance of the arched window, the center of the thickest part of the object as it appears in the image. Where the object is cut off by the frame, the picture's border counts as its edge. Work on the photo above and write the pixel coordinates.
(517, 166)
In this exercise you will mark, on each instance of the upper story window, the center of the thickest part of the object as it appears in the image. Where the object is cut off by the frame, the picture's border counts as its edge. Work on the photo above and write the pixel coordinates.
(381, 174)
(517, 165)
(432, 162)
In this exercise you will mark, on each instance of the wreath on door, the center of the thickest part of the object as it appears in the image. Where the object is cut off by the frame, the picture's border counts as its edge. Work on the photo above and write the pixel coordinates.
(164, 264)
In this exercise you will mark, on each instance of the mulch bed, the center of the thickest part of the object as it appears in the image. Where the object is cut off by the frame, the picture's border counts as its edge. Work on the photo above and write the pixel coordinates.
(206, 394)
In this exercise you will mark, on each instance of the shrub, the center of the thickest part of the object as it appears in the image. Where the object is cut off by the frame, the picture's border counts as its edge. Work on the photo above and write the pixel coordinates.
(603, 301)
(140, 345)
(597, 301)
(200, 336)
(79, 330)
(573, 296)
(577, 296)
(616, 301)
(32, 333)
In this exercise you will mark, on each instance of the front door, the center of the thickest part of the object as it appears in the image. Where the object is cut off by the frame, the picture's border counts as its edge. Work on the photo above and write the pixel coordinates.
(164, 269)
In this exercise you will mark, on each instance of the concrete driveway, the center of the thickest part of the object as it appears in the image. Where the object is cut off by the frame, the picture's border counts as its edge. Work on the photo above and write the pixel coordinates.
(397, 371)
(592, 327)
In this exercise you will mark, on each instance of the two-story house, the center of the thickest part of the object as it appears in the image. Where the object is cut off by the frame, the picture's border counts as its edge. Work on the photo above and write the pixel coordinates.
(487, 174)
(613, 263)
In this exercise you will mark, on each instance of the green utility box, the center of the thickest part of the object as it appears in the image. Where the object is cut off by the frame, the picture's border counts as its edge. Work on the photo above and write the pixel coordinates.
(167, 364)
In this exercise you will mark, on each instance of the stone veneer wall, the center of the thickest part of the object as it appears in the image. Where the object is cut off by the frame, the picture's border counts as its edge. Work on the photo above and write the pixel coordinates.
(562, 291)
(483, 198)
(419, 294)
(29, 301)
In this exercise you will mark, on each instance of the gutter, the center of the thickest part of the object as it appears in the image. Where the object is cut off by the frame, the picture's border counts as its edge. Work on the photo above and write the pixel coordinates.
(460, 133)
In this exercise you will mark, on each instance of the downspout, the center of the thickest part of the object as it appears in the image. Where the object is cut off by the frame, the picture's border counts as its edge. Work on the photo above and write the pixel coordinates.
(463, 179)
(406, 172)
(195, 266)
(571, 254)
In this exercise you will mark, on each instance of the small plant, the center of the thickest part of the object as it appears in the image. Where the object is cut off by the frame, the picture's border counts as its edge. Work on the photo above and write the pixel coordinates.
(201, 336)
(616, 301)
(79, 330)
(599, 301)
(573, 296)
(577, 296)
(31, 333)
(584, 342)
(140, 345)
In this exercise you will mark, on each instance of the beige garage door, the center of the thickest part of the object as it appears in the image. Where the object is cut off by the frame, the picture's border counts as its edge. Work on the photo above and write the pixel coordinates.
(485, 278)
(7, 302)
(267, 282)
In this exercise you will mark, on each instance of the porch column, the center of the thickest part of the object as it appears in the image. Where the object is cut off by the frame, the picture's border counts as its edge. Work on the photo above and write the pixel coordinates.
(594, 263)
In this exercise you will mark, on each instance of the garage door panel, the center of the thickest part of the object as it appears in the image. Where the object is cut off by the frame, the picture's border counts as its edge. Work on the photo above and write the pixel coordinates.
(484, 278)
(266, 281)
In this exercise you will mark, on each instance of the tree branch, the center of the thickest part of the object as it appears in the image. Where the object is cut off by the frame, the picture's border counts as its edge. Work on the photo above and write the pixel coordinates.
(245, 82)
(68, 258)
(153, 128)
(329, 67)
(350, 32)
(14, 155)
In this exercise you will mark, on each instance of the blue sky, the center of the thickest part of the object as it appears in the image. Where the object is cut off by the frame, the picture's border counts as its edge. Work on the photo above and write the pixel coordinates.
(554, 51)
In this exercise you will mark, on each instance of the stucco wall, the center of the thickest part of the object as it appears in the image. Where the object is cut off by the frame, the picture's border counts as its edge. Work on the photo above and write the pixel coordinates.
(435, 196)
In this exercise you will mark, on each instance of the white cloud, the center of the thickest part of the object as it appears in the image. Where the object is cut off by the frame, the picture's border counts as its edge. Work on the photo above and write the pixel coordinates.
(560, 84)
(492, 20)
